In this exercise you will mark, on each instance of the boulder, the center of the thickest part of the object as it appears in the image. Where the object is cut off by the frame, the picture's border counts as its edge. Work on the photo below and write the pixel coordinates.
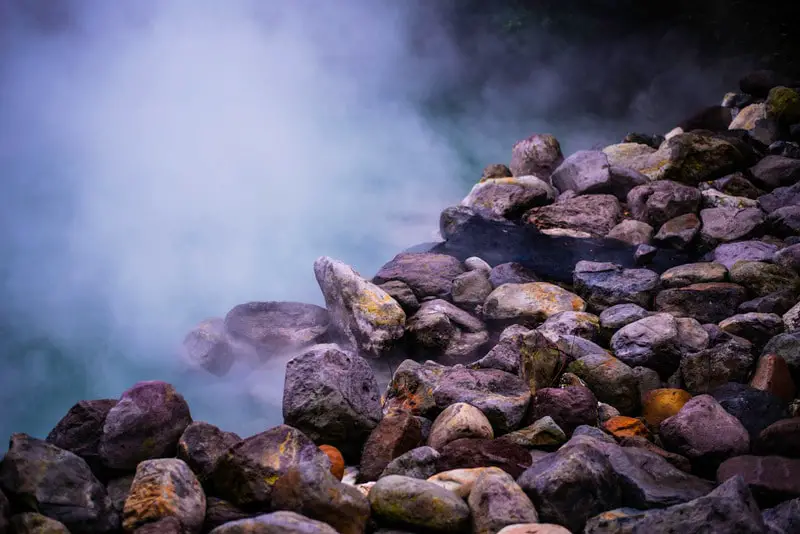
(209, 347)
(412, 388)
(632, 232)
(569, 407)
(544, 433)
(788, 257)
(595, 215)
(737, 185)
(589, 172)
(771, 479)
(80, 430)
(660, 404)
(275, 523)
(762, 278)
(784, 222)
(603, 285)
(730, 361)
(754, 408)
(459, 420)
(496, 501)
(509, 198)
(219, 512)
(467, 453)
(707, 302)
(615, 317)
(772, 172)
(758, 328)
(533, 302)
(400, 292)
(495, 170)
(471, 289)
(427, 274)
(397, 433)
(416, 463)
(202, 444)
(538, 155)
(780, 198)
(332, 397)
(657, 202)
(784, 518)
(611, 380)
(679, 232)
(729, 254)
(570, 323)
(445, 331)
(723, 225)
(787, 346)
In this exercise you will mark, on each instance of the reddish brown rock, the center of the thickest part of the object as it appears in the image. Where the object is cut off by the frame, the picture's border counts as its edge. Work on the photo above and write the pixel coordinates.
(772, 479)
(781, 438)
(467, 452)
(643, 443)
(625, 427)
(336, 458)
(397, 433)
(773, 375)
(570, 407)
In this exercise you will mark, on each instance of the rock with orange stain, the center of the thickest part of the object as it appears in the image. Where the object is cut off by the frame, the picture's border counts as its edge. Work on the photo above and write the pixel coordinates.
(162, 489)
(624, 427)
(533, 302)
(396, 434)
(412, 388)
(773, 375)
(337, 462)
(246, 474)
(662, 403)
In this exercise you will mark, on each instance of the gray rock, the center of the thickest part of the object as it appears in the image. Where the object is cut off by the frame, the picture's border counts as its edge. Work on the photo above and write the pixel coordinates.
(632, 232)
(452, 220)
(569, 323)
(511, 273)
(784, 222)
(208, 347)
(731, 361)
(202, 444)
(459, 420)
(603, 285)
(723, 225)
(533, 302)
(416, 463)
(427, 274)
(400, 292)
(644, 254)
(538, 155)
(412, 386)
(757, 328)
(496, 501)
(595, 215)
(568, 407)
(652, 342)
(729, 253)
(693, 273)
(707, 302)
(657, 202)
(779, 198)
(787, 346)
(509, 198)
(772, 172)
(679, 232)
(762, 278)
(620, 315)
(784, 518)
(445, 328)
(80, 430)
(611, 380)
(471, 289)
(275, 523)
(788, 257)
(589, 172)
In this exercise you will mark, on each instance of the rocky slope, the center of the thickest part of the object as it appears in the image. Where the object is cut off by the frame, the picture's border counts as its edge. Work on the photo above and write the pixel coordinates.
(607, 342)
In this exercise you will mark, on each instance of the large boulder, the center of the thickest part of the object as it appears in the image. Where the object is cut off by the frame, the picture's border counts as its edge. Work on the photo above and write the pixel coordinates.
(538, 155)
(202, 444)
(589, 172)
(397, 433)
(658, 202)
(427, 274)
(509, 198)
(332, 397)
(772, 479)
(363, 316)
(79, 431)
(496, 501)
(603, 285)
(594, 215)
(146, 423)
(529, 303)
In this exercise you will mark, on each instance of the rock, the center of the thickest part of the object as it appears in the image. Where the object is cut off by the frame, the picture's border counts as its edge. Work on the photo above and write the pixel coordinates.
(778, 303)
(118, 490)
(603, 285)
(615, 317)
(641, 442)
(785, 222)
(658, 202)
(417, 504)
(471, 289)
(764, 278)
(165, 488)
(651, 342)
(57, 483)
(363, 316)
(783, 105)
(5, 512)
(771, 479)
(788, 258)
(729, 253)
(715, 199)
(496, 501)
(541, 360)
(332, 397)
(427, 274)
(208, 346)
(757, 328)
(781, 438)
(538, 154)
(632, 232)
(791, 319)
(502, 397)
(759, 83)
(787, 346)
(336, 459)
(780, 198)
(416, 463)
(644, 254)
(736, 185)
(660, 404)
(446, 330)
(532, 302)
(511, 273)
(625, 154)
(694, 273)
(219, 512)
(401, 293)
(33, 523)
(201, 445)
(471, 452)
(397, 433)
(459, 420)
(534, 528)
(569, 323)
(589, 172)
(784, 518)
(705, 433)
(569, 407)
(595, 215)
(754, 408)
(275, 523)
(146, 423)
(679, 232)
(246, 474)
(606, 412)
(723, 225)
(610, 379)
(706, 302)
(495, 170)
(79, 431)
(412, 388)
(625, 427)
(459, 481)
(543, 433)
(509, 198)
(731, 361)
(453, 220)
(728, 508)
(772, 172)
(311, 490)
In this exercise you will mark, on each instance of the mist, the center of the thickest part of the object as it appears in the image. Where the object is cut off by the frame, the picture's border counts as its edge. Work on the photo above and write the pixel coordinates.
(162, 162)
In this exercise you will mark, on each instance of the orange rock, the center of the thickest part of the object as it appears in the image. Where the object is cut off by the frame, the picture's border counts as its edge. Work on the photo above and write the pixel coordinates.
(772, 374)
(658, 404)
(337, 461)
(625, 427)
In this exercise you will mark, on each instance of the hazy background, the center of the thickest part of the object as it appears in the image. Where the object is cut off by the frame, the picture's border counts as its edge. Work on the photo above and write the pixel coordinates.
(163, 161)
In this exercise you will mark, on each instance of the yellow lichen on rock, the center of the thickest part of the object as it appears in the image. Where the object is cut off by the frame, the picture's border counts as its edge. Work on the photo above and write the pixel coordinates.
(659, 404)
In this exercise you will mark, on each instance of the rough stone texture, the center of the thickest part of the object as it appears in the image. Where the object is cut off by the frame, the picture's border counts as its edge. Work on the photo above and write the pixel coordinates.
(417, 504)
(731, 361)
(416, 463)
(447, 331)
(56, 483)
(791, 319)
(79, 431)
(33, 523)
(779, 198)
(412, 388)
(309, 489)
(754, 408)
(459, 420)
(603, 285)
(589, 172)
(679, 232)
(401, 293)
(270, 328)
(772, 172)
(652, 342)
(471, 289)
(533, 302)
(658, 202)
(427, 274)
(632, 232)
(275, 523)
(611, 380)
(246, 474)
(165, 488)
(202, 444)
(729, 254)
(544, 433)
(468, 452)
(511, 273)
(738, 185)
(615, 317)
(784, 222)
(762, 278)
(595, 215)
(722, 225)
(771, 479)
(788, 257)
(496, 501)
(581, 324)
(397, 433)
(146, 423)
(509, 198)
(758, 328)
(706, 302)
(538, 155)
(569, 407)
(781, 438)
(332, 397)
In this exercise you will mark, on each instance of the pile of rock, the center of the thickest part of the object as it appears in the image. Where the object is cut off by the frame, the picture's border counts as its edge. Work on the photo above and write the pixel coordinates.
(633, 399)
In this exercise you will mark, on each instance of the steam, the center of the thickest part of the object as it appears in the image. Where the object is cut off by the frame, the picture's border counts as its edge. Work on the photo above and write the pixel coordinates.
(164, 161)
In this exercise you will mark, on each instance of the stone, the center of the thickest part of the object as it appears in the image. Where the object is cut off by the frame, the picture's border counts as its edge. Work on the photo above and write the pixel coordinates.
(397, 433)
(791, 319)
(332, 397)
(509, 198)
(412, 388)
(778, 303)
(611, 380)
(606, 412)
(363, 316)
(784, 222)
(118, 490)
(779, 198)
(416, 463)
(711, 198)
(736, 185)
(311, 490)
(615, 317)
(471, 289)
(781, 438)
(762, 278)
(273, 328)
(730, 361)
(589, 172)
(787, 346)
(651, 342)
(401, 293)
(623, 427)
(538, 154)
(644, 254)
(496, 501)
(418, 504)
(208, 347)
(534, 528)
(758, 328)
(754, 408)
(707, 302)
(453, 220)
(247, 473)
(427, 274)
(165, 488)
(80, 430)
(33, 523)
(532, 302)
(728, 254)
(57, 483)
(446, 330)
(502, 397)
(642, 442)
(658, 202)
(459, 420)
(459, 481)
(603, 285)
(660, 404)
(784, 518)
(705, 433)
(632, 232)
(541, 360)
(581, 324)
(772, 172)
(511, 273)
(275, 523)
(201, 445)
(783, 105)
(723, 225)
(543, 433)
(146, 423)
(336, 459)
(788, 257)
(679, 232)
(569, 407)
(648, 380)
(771, 479)
(595, 215)
(495, 170)
(472, 452)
